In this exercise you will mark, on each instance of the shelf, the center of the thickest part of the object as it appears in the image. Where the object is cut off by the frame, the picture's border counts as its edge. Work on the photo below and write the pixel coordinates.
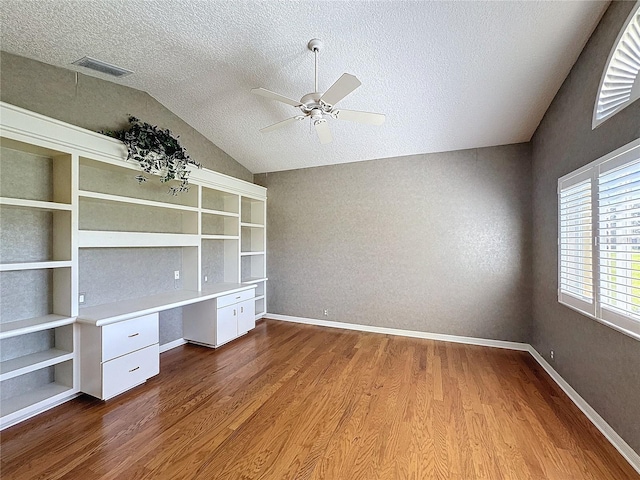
(251, 253)
(219, 212)
(259, 297)
(111, 239)
(12, 267)
(35, 361)
(19, 202)
(36, 324)
(46, 393)
(251, 225)
(220, 237)
(254, 280)
(135, 201)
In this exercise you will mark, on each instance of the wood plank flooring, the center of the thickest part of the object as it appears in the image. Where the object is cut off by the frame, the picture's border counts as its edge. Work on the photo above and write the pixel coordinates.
(300, 402)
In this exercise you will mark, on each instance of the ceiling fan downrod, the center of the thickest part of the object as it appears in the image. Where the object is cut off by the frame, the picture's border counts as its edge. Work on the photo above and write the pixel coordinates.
(315, 46)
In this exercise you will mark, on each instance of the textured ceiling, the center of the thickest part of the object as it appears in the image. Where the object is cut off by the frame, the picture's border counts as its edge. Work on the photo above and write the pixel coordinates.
(448, 75)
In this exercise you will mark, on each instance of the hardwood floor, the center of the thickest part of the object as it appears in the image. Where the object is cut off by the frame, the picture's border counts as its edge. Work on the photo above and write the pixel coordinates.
(301, 402)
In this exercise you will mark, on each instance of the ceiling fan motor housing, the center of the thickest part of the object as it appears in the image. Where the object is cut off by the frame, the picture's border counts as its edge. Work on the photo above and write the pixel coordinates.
(311, 102)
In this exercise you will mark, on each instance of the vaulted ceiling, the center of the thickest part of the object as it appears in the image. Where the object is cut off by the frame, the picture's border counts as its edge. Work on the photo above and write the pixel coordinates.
(447, 75)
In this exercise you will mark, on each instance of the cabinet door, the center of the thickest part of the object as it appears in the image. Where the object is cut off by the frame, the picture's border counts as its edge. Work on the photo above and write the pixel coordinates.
(226, 324)
(246, 316)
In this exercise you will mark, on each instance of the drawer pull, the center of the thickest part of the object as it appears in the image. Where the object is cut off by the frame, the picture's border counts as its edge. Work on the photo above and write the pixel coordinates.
(241, 309)
(234, 312)
(238, 298)
(134, 335)
(134, 369)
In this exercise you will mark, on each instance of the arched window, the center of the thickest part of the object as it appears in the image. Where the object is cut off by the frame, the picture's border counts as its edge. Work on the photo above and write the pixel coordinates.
(620, 83)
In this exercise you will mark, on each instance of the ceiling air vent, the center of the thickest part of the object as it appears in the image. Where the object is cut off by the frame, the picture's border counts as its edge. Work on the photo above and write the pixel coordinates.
(102, 67)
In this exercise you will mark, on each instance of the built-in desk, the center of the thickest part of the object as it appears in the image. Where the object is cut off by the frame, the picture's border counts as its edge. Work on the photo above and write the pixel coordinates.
(119, 342)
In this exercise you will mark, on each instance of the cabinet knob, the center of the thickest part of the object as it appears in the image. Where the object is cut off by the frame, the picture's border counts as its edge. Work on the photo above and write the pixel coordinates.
(134, 335)
(134, 369)
(234, 312)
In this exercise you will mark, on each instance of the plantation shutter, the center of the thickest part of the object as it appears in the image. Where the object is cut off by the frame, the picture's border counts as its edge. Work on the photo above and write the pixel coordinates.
(575, 244)
(599, 239)
(619, 241)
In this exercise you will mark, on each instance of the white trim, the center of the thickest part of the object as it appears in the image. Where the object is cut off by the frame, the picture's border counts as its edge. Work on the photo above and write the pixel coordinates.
(168, 346)
(600, 423)
(484, 342)
(609, 433)
(28, 412)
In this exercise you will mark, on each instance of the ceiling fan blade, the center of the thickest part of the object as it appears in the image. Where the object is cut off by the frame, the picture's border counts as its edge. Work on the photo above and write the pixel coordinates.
(281, 124)
(275, 96)
(360, 117)
(322, 128)
(343, 87)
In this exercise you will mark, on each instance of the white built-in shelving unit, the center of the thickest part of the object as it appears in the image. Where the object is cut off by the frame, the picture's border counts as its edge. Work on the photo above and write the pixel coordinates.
(62, 190)
(253, 256)
(37, 215)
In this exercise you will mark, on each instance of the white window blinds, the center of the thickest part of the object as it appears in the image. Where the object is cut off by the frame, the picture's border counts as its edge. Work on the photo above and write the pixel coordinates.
(575, 241)
(619, 234)
(599, 240)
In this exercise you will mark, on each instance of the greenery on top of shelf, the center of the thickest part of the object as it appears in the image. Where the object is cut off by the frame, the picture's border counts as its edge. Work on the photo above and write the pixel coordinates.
(157, 152)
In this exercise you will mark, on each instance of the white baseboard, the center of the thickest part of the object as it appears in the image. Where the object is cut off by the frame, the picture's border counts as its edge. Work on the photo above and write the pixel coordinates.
(609, 433)
(404, 333)
(38, 411)
(170, 345)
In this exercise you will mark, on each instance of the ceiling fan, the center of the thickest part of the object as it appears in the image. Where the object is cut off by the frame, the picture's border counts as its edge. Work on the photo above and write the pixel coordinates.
(317, 105)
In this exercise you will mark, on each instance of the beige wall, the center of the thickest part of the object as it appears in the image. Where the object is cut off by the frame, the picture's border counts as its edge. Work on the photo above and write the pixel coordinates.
(600, 363)
(100, 105)
(435, 243)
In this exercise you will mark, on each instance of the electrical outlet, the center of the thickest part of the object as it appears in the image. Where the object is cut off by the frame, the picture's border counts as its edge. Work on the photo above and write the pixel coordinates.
(552, 354)
(206, 279)
(325, 312)
(176, 275)
(82, 297)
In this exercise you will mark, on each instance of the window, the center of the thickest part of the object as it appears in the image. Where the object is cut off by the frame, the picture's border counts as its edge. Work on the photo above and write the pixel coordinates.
(620, 83)
(599, 239)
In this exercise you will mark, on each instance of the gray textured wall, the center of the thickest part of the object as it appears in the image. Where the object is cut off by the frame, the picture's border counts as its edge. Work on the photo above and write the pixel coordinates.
(601, 364)
(435, 243)
(100, 105)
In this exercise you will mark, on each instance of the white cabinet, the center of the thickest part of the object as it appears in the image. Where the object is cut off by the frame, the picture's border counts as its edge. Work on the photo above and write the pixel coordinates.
(218, 321)
(119, 356)
(246, 316)
(226, 324)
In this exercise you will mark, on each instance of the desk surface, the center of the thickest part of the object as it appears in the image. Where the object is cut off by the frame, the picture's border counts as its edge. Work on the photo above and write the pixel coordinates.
(118, 311)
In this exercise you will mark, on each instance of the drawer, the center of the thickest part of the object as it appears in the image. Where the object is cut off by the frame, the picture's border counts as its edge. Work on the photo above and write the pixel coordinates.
(127, 371)
(235, 297)
(128, 336)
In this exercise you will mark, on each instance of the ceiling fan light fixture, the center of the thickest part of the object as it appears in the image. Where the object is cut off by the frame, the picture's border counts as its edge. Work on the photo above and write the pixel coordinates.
(317, 105)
